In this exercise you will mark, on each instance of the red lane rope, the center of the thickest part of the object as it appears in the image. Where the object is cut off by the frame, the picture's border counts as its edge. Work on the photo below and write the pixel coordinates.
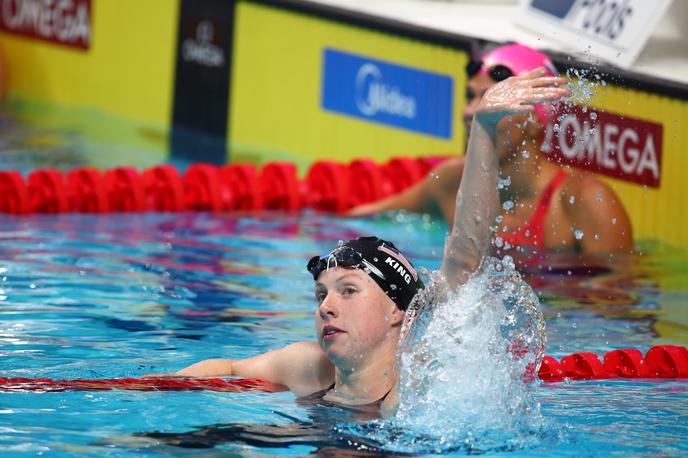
(328, 186)
(660, 362)
(138, 384)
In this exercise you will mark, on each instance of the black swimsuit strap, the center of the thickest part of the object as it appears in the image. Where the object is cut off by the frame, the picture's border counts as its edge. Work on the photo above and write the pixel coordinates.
(381, 400)
(322, 394)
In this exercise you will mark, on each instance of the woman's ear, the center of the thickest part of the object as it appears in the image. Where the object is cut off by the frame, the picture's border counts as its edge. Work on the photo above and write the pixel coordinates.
(397, 316)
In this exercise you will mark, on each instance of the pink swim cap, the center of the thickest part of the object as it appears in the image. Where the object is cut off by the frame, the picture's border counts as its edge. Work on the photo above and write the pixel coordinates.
(521, 59)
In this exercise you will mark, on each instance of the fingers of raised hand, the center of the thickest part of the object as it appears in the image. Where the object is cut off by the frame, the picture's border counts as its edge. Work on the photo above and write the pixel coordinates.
(548, 81)
(519, 94)
(538, 72)
(539, 95)
(535, 73)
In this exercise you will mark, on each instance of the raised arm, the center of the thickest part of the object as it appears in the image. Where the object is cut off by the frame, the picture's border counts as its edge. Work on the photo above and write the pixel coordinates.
(477, 199)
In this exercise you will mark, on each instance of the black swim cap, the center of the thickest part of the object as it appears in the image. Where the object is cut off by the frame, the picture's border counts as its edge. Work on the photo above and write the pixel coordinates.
(380, 260)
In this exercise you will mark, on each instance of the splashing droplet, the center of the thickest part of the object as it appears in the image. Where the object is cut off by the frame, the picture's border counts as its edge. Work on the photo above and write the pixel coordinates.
(572, 200)
(578, 234)
(508, 205)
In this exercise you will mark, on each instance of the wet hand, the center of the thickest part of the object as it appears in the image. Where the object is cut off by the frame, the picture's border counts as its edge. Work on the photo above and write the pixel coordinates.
(519, 94)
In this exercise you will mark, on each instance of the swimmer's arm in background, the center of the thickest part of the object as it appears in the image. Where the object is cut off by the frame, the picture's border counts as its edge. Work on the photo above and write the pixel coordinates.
(434, 194)
(599, 214)
(477, 199)
(302, 367)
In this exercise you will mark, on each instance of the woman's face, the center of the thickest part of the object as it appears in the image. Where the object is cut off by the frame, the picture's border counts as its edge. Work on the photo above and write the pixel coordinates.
(354, 317)
(475, 90)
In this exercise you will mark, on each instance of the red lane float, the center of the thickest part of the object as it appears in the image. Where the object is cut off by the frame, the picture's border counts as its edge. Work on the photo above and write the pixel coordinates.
(583, 366)
(164, 189)
(280, 186)
(668, 361)
(627, 363)
(138, 384)
(15, 194)
(328, 186)
(368, 183)
(86, 191)
(202, 188)
(124, 189)
(47, 192)
(551, 370)
(662, 361)
(401, 173)
(241, 187)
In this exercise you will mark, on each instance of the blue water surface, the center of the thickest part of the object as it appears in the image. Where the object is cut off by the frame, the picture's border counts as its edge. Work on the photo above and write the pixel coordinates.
(123, 295)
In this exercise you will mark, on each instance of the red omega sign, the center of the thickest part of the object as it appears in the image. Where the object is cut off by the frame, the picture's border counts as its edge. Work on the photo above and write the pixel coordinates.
(606, 143)
(66, 22)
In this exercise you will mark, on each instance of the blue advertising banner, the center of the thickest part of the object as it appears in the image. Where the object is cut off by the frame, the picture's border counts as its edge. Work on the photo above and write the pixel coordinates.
(386, 93)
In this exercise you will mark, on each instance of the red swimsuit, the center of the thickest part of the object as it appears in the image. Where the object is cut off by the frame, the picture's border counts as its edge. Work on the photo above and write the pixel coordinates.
(532, 233)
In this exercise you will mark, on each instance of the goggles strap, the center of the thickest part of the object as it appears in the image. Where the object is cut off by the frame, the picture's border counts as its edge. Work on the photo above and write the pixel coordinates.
(331, 257)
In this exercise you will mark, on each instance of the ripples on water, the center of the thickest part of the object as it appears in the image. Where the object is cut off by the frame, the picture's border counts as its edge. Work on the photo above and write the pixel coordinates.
(124, 295)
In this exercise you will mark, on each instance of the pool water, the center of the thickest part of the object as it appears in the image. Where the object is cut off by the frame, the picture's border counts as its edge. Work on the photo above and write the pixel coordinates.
(37, 135)
(122, 295)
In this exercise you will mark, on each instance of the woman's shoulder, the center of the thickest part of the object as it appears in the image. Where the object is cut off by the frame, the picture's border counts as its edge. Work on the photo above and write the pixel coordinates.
(587, 190)
(308, 349)
(307, 353)
(308, 362)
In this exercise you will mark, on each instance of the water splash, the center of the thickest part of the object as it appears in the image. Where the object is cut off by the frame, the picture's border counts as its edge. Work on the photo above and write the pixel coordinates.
(465, 368)
(584, 85)
(503, 183)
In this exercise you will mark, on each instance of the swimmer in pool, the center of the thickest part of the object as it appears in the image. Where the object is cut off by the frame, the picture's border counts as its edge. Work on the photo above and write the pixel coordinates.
(364, 287)
(551, 204)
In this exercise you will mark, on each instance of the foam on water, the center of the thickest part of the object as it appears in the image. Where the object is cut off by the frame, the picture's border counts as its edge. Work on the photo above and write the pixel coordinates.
(466, 367)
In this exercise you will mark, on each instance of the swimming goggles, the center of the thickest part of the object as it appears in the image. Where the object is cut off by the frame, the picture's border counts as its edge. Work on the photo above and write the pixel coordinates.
(497, 72)
(343, 256)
